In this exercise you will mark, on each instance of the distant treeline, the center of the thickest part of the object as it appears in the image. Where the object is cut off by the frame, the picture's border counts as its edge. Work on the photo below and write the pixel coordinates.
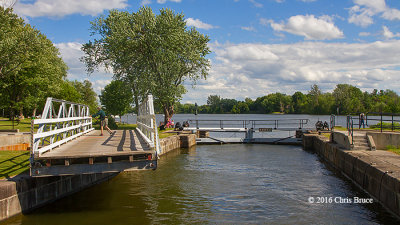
(345, 98)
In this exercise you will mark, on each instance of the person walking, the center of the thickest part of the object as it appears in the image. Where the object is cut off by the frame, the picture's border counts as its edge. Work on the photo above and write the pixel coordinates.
(103, 120)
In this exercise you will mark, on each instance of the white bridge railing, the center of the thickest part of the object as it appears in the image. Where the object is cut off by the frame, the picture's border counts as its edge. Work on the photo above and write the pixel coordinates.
(71, 121)
(146, 124)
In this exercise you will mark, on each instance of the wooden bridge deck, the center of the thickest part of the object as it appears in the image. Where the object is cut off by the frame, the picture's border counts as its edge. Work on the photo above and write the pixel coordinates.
(91, 153)
(120, 142)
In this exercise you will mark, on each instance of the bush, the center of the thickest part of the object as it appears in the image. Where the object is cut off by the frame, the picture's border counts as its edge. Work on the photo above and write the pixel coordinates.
(111, 123)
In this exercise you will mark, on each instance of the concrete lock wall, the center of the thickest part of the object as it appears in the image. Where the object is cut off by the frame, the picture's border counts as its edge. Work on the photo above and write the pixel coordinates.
(177, 141)
(373, 176)
(28, 193)
(14, 139)
(382, 140)
(341, 139)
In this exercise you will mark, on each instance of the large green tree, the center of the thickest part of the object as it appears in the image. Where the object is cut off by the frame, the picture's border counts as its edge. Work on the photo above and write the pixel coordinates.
(116, 98)
(153, 53)
(30, 66)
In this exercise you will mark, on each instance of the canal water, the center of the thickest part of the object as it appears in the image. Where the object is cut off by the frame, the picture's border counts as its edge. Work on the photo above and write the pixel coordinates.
(219, 184)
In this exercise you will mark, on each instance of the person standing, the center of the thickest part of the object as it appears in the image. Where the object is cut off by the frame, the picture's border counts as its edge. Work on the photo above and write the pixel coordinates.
(103, 120)
(362, 118)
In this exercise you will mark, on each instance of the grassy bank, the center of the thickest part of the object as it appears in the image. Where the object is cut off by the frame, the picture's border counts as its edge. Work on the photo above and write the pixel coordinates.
(23, 126)
(13, 163)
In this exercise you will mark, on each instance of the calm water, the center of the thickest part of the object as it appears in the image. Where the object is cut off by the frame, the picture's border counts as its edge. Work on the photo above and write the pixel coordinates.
(220, 184)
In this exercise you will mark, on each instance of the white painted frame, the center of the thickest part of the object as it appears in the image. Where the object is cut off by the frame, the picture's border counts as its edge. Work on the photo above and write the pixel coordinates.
(55, 129)
(147, 125)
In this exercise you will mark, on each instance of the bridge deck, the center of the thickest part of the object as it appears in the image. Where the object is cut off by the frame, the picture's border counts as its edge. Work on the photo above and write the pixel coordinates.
(121, 142)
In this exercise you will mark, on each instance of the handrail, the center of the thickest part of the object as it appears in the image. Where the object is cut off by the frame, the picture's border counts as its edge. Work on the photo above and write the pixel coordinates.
(147, 125)
(332, 122)
(350, 127)
(55, 129)
(250, 124)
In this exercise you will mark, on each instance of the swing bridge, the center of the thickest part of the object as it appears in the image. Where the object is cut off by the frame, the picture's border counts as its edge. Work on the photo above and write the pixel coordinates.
(64, 142)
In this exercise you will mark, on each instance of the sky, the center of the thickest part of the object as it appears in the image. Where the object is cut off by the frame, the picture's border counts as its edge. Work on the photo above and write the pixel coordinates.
(258, 46)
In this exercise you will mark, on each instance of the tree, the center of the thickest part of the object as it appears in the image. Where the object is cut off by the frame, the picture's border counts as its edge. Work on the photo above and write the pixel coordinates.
(116, 98)
(154, 53)
(30, 66)
(87, 94)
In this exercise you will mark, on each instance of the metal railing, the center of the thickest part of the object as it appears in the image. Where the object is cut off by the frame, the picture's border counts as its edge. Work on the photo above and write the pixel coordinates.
(381, 119)
(250, 124)
(54, 129)
(350, 127)
(146, 124)
(332, 122)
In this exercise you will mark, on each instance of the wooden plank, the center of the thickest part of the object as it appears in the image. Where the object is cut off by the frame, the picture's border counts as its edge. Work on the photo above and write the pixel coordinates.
(93, 145)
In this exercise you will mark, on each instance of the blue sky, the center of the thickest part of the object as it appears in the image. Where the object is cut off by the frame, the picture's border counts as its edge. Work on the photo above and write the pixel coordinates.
(259, 46)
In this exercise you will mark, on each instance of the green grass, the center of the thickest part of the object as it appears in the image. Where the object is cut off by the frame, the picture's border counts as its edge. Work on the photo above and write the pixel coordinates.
(13, 163)
(162, 135)
(394, 149)
(23, 126)
(340, 128)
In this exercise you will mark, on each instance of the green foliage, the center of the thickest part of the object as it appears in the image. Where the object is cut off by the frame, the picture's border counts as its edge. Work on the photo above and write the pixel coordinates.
(111, 123)
(348, 98)
(30, 66)
(87, 94)
(153, 53)
(116, 97)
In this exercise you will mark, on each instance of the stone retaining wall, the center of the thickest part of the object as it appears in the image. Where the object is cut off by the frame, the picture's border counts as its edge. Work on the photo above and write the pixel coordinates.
(376, 177)
(177, 141)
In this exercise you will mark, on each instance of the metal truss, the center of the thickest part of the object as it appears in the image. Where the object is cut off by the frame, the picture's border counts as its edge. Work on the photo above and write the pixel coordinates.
(61, 121)
(146, 124)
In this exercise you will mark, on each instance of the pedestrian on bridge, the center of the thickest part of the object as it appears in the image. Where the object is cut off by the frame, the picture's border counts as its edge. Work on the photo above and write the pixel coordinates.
(103, 120)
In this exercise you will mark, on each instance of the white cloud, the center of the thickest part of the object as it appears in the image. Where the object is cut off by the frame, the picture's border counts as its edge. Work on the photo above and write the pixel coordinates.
(391, 14)
(164, 1)
(71, 53)
(256, 4)
(251, 28)
(199, 24)
(145, 2)
(60, 8)
(363, 11)
(386, 33)
(253, 70)
(364, 34)
(310, 27)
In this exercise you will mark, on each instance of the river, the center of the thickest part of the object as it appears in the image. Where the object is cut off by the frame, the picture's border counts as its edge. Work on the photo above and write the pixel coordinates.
(218, 184)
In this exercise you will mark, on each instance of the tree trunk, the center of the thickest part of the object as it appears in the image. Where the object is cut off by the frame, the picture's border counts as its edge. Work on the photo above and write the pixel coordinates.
(168, 112)
(21, 113)
(34, 111)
